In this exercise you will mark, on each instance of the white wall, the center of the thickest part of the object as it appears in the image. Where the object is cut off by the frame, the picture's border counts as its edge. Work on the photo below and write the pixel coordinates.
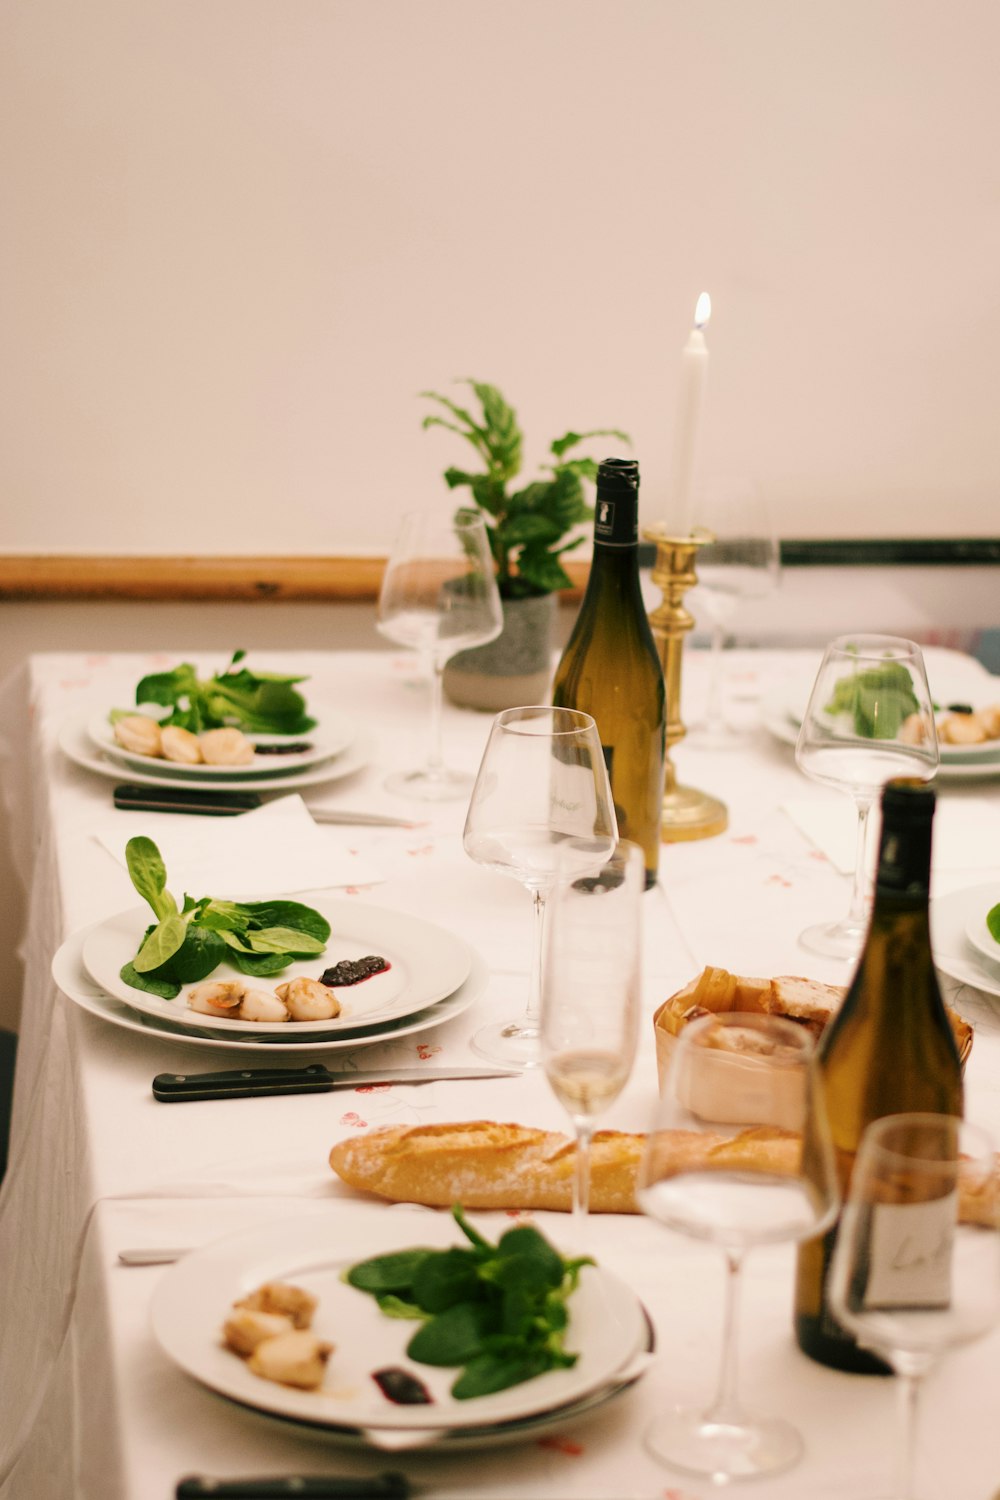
(242, 235)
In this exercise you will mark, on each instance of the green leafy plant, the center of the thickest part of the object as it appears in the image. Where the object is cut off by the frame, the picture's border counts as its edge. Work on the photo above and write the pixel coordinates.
(525, 526)
(186, 943)
(259, 702)
(498, 1310)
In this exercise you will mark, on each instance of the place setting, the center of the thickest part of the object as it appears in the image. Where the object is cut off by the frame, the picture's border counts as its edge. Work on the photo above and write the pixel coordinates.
(233, 731)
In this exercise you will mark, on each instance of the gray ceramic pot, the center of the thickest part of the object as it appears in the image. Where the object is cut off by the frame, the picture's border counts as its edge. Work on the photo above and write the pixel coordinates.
(512, 670)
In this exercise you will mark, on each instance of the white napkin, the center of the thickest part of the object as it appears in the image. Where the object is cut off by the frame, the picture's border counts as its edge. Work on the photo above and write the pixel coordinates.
(275, 848)
(966, 833)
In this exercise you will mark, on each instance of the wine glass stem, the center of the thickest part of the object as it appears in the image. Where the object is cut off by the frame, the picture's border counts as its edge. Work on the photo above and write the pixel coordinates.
(435, 757)
(909, 1393)
(581, 1181)
(725, 1407)
(531, 1015)
(858, 912)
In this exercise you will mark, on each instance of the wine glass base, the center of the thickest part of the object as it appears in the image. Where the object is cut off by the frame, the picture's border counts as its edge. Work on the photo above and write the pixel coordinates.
(693, 1442)
(431, 786)
(834, 939)
(508, 1042)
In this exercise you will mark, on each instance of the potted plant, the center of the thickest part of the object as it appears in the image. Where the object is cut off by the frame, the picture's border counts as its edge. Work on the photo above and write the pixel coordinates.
(530, 530)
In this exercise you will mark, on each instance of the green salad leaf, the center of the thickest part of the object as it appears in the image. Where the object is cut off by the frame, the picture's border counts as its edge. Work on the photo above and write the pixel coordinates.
(184, 946)
(993, 921)
(256, 702)
(497, 1310)
(879, 700)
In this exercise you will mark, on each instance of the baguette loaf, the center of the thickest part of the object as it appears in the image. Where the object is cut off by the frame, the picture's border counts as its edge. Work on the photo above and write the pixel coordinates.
(483, 1165)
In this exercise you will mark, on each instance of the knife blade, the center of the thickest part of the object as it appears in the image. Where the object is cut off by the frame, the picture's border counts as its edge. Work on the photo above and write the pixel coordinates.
(247, 1083)
(318, 1486)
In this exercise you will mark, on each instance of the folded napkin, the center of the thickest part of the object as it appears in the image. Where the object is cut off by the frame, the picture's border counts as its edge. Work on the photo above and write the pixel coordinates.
(966, 833)
(275, 848)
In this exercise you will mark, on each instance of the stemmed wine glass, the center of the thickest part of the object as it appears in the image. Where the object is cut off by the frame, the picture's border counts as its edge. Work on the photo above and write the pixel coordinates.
(590, 999)
(439, 595)
(870, 717)
(741, 562)
(705, 1174)
(541, 811)
(916, 1268)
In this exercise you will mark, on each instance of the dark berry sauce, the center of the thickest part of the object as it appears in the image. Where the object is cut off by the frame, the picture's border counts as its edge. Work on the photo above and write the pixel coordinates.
(402, 1388)
(353, 971)
(290, 747)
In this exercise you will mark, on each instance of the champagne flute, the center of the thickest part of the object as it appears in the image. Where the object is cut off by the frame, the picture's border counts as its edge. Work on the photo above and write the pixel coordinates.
(590, 1000)
(438, 596)
(741, 562)
(869, 718)
(541, 810)
(916, 1267)
(703, 1175)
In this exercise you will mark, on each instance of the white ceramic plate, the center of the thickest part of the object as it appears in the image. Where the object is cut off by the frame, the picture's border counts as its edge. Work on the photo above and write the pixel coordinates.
(954, 955)
(332, 734)
(76, 984)
(426, 963)
(976, 930)
(777, 720)
(77, 745)
(607, 1326)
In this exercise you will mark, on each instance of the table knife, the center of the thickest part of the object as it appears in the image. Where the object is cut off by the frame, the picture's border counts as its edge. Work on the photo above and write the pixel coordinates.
(245, 1083)
(309, 1486)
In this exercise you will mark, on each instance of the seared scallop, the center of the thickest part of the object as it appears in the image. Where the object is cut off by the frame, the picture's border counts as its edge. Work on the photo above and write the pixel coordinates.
(180, 745)
(244, 1329)
(261, 1005)
(226, 747)
(138, 733)
(281, 1297)
(297, 1358)
(308, 1000)
(217, 997)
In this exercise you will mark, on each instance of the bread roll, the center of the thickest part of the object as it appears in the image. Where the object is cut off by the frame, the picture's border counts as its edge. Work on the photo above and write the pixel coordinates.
(483, 1165)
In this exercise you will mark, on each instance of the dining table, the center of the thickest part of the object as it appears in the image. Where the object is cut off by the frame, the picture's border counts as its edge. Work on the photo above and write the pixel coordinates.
(93, 1405)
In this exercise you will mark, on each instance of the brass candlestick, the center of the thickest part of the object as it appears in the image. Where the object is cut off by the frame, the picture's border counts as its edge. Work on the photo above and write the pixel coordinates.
(687, 814)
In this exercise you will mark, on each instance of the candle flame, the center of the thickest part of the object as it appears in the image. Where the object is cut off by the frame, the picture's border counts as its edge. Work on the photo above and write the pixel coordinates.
(703, 311)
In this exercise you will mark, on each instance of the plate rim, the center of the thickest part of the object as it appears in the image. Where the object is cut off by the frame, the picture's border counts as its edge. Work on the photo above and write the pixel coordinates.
(966, 969)
(335, 908)
(227, 1256)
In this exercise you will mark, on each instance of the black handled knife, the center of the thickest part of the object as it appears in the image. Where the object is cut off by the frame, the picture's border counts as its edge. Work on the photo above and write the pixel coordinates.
(248, 1083)
(309, 1486)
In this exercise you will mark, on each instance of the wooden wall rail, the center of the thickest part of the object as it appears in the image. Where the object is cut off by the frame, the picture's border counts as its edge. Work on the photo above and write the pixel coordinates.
(199, 578)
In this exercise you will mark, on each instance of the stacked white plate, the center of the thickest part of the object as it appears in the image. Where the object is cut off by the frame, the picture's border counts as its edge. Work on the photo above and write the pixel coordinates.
(608, 1329)
(431, 975)
(963, 946)
(333, 748)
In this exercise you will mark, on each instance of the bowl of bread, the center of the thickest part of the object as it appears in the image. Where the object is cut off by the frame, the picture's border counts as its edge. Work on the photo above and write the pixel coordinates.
(806, 1002)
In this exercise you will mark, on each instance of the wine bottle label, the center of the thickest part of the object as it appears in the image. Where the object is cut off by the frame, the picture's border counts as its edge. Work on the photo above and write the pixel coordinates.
(616, 521)
(910, 1250)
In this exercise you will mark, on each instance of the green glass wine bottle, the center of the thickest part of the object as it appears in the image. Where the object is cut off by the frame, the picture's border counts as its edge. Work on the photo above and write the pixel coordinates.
(610, 667)
(888, 1050)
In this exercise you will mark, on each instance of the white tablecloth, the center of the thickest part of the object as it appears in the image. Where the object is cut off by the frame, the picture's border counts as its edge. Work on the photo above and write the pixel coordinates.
(91, 1408)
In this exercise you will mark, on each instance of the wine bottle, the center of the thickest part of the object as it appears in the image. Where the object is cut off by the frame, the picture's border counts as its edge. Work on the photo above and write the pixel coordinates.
(888, 1050)
(610, 668)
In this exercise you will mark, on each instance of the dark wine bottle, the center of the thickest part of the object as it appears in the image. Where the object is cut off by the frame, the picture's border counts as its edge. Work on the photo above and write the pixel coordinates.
(610, 668)
(888, 1050)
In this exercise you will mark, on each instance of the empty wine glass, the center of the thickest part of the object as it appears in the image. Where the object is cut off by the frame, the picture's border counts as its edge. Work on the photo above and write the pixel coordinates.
(541, 810)
(709, 1171)
(438, 596)
(742, 562)
(869, 718)
(590, 1000)
(916, 1267)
